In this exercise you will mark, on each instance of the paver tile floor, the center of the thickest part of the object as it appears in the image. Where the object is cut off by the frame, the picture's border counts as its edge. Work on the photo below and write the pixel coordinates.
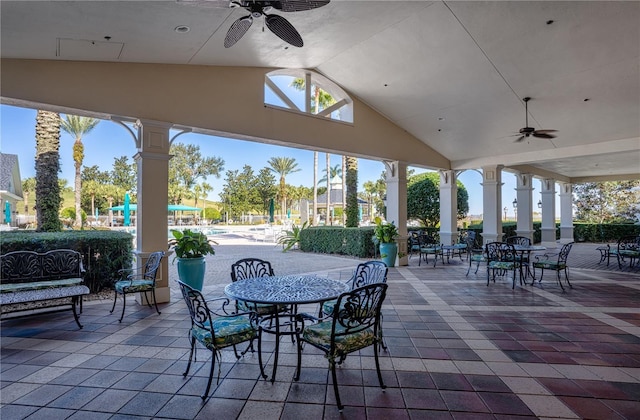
(457, 348)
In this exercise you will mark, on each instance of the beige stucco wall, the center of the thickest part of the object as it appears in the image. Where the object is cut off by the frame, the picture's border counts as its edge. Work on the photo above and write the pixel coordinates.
(212, 99)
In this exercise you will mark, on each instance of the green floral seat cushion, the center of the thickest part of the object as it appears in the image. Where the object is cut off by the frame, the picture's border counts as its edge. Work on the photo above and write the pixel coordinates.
(478, 258)
(502, 265)
(228, 331)
(327, 307)
(259, 308)
(430, 250)
(38, 285)
(320, 334)
(133, 286)
(630, 253)
(551, 265)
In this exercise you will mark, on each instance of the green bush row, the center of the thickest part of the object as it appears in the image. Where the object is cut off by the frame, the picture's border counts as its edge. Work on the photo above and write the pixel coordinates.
(104, 252)
(357, 242)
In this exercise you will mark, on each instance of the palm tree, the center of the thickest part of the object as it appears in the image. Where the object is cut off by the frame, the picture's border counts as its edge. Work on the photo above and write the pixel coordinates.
(321, 100)
(28, 186)
(78, 127)
(334, 171)
(351, 200)
(93, 188)
(283, 166)
(328, 219)
(315, 188)
(47, 167)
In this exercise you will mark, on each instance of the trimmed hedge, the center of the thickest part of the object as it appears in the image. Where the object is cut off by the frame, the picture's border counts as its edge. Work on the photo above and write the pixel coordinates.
(104, 252)
(357, 242)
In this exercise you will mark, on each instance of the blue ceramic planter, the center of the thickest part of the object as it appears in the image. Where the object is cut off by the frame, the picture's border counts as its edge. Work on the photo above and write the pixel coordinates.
(191, 271)
(388, 253)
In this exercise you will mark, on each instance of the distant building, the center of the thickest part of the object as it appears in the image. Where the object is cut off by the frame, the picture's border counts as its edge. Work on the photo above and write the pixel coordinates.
(10, 188)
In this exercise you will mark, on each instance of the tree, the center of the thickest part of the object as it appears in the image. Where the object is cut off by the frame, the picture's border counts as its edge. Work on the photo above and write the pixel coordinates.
(315, 188)
(187, 166)
(90, 190)
(334, 171)
(320, 100)
(28, 187)
(265, 185)
(47, 167)
(78, 127)
(283, 166)
(124, 174)
(607, 202)
(423, 198)
(239, 194)
(352, 192)
(93, 173)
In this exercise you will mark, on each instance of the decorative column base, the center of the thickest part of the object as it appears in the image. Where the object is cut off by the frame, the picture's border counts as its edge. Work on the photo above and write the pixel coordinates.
(490, 237)
(566, 234)
(549, 237)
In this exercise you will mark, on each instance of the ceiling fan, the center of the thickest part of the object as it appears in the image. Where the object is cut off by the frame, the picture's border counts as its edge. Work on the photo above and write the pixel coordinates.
(527, 131)
(280, 26)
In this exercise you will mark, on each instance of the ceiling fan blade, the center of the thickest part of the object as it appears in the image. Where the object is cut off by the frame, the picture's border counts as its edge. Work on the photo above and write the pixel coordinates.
(237, 30)
(546, 131)
(298, 5)
(543, 135)
(283, 30)
(519, 139)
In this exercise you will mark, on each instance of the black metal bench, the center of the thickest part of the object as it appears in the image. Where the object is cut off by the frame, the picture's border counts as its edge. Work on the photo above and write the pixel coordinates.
(53, 276)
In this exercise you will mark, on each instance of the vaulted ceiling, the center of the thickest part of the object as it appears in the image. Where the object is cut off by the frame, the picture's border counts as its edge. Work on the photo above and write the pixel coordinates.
(451, 73)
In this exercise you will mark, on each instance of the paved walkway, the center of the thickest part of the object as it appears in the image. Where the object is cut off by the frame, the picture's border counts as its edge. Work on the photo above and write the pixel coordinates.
(457, 349)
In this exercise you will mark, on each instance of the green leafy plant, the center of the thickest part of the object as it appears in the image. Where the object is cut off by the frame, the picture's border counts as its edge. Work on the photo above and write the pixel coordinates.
(191, 244)
(385, 233)
(291, 238)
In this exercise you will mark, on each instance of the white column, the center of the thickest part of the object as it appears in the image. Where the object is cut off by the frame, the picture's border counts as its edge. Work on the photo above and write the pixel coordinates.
(153, 180)
(548, 228)
(566, 213)
(491, 203)
(448, 207)
(524, 195)
(396, 177)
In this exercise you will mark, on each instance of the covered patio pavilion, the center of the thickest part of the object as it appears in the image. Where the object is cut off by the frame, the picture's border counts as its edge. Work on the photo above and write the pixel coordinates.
(457, 349)
(434, 84)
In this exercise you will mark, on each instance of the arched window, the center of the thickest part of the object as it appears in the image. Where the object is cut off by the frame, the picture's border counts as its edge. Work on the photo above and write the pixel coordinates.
(308, 92)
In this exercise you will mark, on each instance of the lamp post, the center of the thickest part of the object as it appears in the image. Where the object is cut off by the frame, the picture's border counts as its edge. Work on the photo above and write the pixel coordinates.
(540, 203)
(515, 208)
(505, 212)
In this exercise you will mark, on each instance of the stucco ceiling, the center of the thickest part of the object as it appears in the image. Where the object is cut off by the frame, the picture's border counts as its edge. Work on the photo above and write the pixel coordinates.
(451, 73)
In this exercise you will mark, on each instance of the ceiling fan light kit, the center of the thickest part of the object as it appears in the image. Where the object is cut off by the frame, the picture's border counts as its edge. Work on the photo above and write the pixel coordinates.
(280, 26)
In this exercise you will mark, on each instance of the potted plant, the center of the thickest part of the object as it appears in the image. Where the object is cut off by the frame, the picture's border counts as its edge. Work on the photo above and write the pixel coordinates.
(386, 235)
(190, 248)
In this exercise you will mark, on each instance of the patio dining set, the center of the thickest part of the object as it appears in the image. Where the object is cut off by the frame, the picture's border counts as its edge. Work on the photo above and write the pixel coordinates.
(513, 256)
(264, 303)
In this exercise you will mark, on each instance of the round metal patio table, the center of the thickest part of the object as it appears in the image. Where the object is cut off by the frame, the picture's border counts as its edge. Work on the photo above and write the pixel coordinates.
(283, 290)
(528, 249)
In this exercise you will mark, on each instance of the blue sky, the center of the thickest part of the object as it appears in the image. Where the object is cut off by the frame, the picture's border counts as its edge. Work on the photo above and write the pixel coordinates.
(109, 140)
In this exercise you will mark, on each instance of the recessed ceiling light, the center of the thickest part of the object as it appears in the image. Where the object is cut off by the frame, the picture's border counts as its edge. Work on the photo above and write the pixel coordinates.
(385, 85)
(586, 99)
(182, 29)
(440, 118)
(550, 21)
